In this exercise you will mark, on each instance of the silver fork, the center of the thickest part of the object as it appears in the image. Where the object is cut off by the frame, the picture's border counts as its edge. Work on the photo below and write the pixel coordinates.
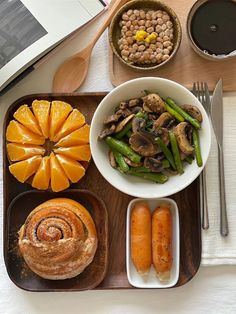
(200, 90)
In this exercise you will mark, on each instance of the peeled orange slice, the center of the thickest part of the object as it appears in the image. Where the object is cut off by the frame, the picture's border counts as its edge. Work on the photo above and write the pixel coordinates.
(42, 176)
(74, 121)
(17, 133)
(41, 109)
(58, 115)
(25, 116)
(75, 152)
(17, 152)
(59, 180)
(78, 137)
(24, 169)
(73, 169)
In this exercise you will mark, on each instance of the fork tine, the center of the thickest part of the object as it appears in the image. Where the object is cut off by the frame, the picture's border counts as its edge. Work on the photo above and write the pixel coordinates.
(198, 92)
(202, 93)
(207, 95)
(194, 91)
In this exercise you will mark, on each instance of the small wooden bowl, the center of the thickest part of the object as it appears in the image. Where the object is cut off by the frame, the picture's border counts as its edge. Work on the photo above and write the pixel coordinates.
(115, 30)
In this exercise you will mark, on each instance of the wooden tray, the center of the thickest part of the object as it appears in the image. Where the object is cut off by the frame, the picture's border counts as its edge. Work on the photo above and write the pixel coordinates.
(116, 203)
(186, 67)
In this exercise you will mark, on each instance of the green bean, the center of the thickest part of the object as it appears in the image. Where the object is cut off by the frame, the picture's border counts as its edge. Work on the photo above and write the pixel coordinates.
(175, 151)
(156, 177)
(174, 113)
(122, 148)
(120, 161)
(183, 113)
(165, 163)
(166, 151)
(188, 159)
(196, 144)
(126, 129)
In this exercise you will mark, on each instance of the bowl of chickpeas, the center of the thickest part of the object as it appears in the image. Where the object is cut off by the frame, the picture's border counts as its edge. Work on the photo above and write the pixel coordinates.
(145, 34)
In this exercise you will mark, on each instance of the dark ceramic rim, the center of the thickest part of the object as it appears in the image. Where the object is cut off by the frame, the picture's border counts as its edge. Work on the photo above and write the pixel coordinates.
(159, 5)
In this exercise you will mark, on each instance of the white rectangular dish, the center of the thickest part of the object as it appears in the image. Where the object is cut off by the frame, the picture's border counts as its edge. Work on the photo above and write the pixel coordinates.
(151, 280)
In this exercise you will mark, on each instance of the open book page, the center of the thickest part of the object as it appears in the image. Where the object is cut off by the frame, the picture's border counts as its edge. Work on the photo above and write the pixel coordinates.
(30, 28)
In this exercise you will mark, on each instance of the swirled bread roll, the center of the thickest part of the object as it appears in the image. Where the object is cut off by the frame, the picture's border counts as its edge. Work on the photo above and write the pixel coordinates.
(58, 239)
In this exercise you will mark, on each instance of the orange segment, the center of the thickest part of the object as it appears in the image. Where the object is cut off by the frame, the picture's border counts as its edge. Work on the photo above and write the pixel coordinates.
(58, 115)
(42, 176)
(25, 116)
(18, 133)
(73, 122)
(41, 109)
(59, 180)
(78, 137)
(17, 152)
(22, 170)
(73, 169)
(75, 152)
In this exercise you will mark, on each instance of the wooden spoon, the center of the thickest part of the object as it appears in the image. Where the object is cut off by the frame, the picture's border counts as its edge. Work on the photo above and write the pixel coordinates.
(71, 73)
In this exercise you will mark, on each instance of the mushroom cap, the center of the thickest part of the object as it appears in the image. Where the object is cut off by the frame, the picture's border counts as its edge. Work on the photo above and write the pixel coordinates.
(181, 137)
(153, 103)
(193, 111)
(143, 144)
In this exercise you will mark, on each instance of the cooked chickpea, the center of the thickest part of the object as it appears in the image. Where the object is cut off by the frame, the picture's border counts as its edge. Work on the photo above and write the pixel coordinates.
(136, 12)
(159, 45)
(165, 57)
(160, 21)
(141, 22)
(165, 38)
(141, 48)
(159, 56)
(166, 51)
(166, 43)
(165, 17)
(148, 16)
(158, 29)
(148, 23)
(128, 24)
(129, 12)
(130, 40)
(125, 17)
(142, 14)
(164, 27)
(128, 33)
(132, 17)
(169, 24)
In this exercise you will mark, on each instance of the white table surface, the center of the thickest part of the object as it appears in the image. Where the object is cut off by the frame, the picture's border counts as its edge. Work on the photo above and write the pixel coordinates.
(213, 289)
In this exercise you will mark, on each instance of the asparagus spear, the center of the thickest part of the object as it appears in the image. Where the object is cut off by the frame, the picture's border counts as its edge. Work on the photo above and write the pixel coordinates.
(175, 151)
(122, 148)
(197, 148)
(120, 161)
(166, 152)
(156, 177)
(183, 113)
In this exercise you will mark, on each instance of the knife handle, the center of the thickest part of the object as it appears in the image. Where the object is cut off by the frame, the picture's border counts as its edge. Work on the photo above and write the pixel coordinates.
(224, 230)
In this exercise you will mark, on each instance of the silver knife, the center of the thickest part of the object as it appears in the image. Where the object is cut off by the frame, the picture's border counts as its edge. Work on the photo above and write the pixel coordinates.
(217, 123)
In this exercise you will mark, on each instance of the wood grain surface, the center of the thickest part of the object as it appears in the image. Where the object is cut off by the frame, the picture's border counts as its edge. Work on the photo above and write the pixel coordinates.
(116, 204)
(186, 67)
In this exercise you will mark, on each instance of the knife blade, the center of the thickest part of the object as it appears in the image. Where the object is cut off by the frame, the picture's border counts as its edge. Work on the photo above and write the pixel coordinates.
(216, 112)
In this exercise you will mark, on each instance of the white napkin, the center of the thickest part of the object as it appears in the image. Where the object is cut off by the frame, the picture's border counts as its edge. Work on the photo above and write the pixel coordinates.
(218, 250)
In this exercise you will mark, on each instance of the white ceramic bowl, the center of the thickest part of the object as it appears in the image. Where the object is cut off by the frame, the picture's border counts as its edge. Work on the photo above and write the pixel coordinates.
(150, 280)
(133, 185)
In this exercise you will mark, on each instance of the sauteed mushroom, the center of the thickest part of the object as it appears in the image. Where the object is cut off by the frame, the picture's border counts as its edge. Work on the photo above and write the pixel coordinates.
(193, 111)
(137, 124)
(106, 132)
(153, 164)
(141, 143)
(165, 120)
(181, 136)
(163, 134)
(153, 103)
(131, 163)
(112, 159)
(135, 102)
(123, 123)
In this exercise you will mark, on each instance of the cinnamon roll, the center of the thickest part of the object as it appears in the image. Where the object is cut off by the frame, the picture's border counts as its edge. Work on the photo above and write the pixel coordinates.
(58, 239)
